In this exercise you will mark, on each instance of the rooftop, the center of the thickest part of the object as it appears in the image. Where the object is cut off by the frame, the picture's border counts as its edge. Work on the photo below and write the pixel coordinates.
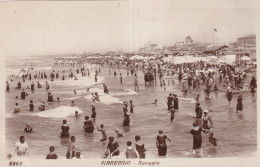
(248, 36)
(214, 48)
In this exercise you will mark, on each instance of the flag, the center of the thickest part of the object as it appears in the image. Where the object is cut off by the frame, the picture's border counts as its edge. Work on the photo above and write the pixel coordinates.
(215, 29)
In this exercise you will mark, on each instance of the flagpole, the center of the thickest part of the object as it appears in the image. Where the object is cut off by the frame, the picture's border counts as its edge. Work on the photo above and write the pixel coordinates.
(214, 36)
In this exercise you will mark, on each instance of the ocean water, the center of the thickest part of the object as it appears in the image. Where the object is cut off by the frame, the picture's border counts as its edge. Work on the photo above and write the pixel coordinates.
(236, 133)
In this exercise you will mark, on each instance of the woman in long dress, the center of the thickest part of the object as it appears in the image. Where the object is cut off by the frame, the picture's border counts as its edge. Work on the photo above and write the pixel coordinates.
(64, 129)
(239, 103)
(197, 138)
(161, 143)
(139, 147)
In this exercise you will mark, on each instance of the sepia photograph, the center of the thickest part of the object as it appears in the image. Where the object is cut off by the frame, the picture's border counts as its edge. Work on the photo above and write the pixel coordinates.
(129, 83)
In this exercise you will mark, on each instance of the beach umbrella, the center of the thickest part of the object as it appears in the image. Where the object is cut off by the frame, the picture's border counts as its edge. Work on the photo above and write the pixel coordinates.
(245, 58)
(213, 57)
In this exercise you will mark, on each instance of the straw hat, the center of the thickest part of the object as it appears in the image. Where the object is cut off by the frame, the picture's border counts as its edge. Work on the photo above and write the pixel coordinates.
(205, 111)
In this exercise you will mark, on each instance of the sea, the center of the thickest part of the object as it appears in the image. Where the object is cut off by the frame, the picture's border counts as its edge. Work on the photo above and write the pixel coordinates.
(236, 133)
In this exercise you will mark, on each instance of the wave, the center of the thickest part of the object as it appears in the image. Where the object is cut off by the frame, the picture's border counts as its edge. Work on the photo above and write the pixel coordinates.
(81, 82)
(125, 92)
(59, 112)
(104, 98)
(192, 100)
(42, 68)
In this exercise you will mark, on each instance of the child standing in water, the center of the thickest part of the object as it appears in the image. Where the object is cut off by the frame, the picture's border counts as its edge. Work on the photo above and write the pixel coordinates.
(16, 108)
(102, 130)
(52, 154)
(131, 106)
(21, 147)
(77, 115)
(71, 148)
(130, 152)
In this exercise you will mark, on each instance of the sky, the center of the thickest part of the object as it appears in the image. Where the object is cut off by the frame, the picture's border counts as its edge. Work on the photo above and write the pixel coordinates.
(46, 28)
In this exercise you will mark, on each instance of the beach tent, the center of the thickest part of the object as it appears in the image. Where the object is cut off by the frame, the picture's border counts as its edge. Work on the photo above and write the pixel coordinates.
(245, 58)
(230, 59)
(213, 57)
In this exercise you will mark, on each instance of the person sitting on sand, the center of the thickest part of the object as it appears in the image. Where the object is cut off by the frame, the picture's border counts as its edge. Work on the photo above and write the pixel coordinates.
(28, 129)
(102, 130)
(16, 108)
(52, 154)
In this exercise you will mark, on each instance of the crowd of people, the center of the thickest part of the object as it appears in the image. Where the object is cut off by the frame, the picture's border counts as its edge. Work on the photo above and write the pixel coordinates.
(192, 77)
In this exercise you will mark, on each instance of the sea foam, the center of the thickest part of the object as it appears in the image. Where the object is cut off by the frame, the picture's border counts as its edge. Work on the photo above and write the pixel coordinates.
(59, 112)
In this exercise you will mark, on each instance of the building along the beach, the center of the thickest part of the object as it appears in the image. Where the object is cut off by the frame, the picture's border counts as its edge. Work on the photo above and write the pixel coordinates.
(214, 50)
(248, 45)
